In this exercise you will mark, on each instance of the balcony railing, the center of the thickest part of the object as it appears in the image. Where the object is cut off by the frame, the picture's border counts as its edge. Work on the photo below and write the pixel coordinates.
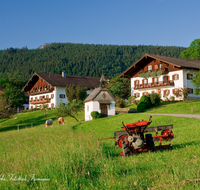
(40, 101)
(155, 84)
(40, 91)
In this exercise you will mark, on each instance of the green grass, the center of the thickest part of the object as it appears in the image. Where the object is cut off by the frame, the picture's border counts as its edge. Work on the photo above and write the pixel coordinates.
(188, 107)
(68, 155)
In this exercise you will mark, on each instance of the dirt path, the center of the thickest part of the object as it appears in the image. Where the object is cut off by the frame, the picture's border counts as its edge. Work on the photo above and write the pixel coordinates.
(197, 116)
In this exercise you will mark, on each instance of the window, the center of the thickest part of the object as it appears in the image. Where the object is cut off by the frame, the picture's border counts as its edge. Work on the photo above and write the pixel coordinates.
(160, 66)
(190, 91)
(52, 105)
(155, 80)
(165, 79)
(175, 77)
(136, 82)
(177, 92)
(189, 76)
(62, 96)
(149, 68)
(166, 92)
(137, 95)
(145, 81)
(87, 107)
(47, 96)
(52, 95)
(145, 93)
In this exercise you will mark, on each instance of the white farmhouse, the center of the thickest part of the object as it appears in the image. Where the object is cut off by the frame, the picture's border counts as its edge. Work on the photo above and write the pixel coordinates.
(100, 100)
(164, 75)
(49, 89)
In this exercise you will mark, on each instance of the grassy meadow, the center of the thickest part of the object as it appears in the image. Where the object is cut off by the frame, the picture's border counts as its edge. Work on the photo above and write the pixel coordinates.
(67, 156)
(180, 107)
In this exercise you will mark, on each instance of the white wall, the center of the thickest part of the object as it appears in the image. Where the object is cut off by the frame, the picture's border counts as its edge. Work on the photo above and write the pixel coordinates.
(187, 83)
(95, 106)
(181, 83)
(111, 110)
(60, 90)
(55, 100)
(177, 84)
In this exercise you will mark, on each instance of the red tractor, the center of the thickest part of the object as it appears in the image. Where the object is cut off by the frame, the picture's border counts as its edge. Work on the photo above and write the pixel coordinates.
(132, 139)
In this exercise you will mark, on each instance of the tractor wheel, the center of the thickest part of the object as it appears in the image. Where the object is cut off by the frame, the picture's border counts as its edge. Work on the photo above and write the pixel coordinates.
(125, 147)
(150, 142)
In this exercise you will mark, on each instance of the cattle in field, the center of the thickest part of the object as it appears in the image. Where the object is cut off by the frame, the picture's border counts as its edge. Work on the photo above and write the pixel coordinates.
(49, 122)
(61, 120)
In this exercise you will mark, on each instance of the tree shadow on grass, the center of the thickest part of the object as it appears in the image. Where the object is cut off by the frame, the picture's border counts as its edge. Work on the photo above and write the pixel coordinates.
(29, 123)
(184, 145)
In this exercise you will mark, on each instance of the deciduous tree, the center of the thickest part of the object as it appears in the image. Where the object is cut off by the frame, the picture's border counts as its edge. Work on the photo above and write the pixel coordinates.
(14, 96)
(119, 87)
(5, 108)
(70, 109)
(193, 52)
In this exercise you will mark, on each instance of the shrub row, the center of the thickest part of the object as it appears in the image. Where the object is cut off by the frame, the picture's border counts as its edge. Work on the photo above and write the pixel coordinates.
(147, 101)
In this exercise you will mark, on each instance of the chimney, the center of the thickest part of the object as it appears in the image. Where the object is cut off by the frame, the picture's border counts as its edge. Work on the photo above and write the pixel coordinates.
(63, 74)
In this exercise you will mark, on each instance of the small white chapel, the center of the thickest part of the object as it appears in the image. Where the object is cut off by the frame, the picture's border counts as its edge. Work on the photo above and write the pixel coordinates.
(100, 100)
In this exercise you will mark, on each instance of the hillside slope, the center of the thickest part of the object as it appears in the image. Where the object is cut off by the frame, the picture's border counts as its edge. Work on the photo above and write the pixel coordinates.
(75, 59)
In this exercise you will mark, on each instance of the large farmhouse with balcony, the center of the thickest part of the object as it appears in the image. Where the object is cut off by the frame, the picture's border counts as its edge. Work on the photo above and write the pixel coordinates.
(49, 89)
(164, 75)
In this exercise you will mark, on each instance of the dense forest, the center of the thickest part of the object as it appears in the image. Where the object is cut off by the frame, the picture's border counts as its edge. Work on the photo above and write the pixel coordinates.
(75, 59)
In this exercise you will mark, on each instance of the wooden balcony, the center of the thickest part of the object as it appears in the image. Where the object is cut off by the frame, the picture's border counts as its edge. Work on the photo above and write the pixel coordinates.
(40, 101)
(155, 71)
(40, 91)
(161, 84)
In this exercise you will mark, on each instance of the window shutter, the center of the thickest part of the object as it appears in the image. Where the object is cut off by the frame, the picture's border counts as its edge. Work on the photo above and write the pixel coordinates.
(177, 77)
(172, 77)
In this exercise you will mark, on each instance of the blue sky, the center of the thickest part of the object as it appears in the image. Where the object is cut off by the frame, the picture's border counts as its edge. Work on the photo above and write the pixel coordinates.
(129, 22)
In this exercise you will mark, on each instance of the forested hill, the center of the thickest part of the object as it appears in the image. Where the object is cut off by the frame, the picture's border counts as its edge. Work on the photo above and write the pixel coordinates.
(75, 59)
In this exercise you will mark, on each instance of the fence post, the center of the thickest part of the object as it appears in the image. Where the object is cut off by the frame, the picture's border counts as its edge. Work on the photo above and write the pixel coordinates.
(192, 109)
(31, 125)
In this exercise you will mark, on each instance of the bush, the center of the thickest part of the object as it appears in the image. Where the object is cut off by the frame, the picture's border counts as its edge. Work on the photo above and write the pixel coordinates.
(24, 111)
(141, 106)
(95, 114)
(120, 103)
(131, 99)
(146, 99)
(154, 98)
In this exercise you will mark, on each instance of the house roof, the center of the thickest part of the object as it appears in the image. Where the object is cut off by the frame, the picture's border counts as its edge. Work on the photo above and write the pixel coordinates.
(59, 80)
(97, 95)
(178, 62)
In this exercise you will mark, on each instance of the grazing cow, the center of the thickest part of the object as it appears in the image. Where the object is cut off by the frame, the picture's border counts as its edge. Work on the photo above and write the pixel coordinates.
(61, 120)
(49, 122)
